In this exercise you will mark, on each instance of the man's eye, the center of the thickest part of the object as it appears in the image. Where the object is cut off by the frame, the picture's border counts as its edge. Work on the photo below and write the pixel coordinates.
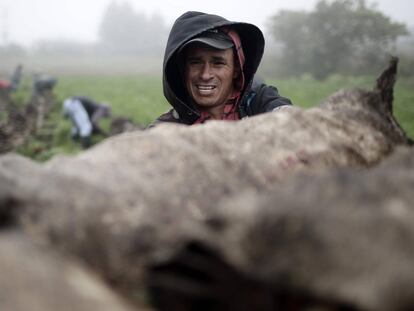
(194, 62)
(219, 63)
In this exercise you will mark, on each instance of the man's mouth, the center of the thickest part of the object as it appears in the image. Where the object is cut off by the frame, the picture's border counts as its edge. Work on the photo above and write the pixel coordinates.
(205, 89)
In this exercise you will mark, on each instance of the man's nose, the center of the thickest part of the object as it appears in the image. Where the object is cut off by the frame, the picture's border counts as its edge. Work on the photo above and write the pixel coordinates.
(206, 72)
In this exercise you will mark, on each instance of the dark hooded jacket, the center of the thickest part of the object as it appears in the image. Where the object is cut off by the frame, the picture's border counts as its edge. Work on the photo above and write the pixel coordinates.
(256, 97)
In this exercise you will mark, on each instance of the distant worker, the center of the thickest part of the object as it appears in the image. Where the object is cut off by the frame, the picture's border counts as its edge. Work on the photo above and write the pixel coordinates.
(85, 114)
(42, 83)
(12, 84)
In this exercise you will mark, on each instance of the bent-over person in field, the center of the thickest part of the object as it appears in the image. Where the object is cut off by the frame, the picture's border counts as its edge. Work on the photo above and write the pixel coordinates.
(85, 114)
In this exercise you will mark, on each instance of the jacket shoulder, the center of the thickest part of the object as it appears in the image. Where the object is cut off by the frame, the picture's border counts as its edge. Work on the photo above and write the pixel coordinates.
(170, 116)
(263, 98)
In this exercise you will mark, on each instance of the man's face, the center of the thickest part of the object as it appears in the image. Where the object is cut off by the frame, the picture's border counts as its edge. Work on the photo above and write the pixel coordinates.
(209, 75)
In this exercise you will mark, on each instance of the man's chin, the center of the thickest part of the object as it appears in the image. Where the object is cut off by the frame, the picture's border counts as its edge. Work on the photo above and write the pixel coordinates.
(206, 104)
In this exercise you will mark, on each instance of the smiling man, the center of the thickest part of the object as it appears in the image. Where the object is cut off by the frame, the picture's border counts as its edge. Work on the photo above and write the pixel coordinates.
(209, 71)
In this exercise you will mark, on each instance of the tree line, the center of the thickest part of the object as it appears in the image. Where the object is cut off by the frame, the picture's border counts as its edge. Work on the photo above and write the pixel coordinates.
(123, 30)
(346, 36)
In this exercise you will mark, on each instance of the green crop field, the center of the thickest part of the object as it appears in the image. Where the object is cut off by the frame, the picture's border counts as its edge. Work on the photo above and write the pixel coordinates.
(140, 98)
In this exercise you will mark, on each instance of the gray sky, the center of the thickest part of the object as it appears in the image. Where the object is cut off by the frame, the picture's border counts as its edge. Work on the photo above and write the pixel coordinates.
(25, 21)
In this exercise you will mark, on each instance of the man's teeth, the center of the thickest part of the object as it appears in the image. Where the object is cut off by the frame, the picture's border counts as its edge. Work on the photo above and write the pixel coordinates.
(205, 87)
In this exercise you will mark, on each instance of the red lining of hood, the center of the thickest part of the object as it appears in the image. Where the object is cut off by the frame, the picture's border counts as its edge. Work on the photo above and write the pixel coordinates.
(240, 55)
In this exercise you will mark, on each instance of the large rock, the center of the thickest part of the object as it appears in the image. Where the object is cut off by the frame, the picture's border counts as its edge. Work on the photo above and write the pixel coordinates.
(137, 202)
(37, 279)
(342, 240)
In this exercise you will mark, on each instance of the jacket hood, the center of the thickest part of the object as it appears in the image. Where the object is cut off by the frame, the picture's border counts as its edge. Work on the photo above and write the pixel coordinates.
(186, 27)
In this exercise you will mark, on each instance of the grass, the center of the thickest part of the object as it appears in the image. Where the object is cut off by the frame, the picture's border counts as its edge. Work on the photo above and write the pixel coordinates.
(140, 98)
(404, 105)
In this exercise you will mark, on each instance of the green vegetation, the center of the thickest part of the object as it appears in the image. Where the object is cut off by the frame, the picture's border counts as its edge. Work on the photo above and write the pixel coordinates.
(351, 37)
(141, 99)
(137, 97)
(404, 105)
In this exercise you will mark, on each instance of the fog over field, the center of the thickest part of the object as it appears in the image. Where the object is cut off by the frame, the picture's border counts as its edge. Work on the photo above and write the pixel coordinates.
(26, 21)
(129, 36)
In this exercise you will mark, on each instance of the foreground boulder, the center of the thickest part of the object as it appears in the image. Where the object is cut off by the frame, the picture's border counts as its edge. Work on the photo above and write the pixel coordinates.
(35, 278)
(342, 240)
(144, 208)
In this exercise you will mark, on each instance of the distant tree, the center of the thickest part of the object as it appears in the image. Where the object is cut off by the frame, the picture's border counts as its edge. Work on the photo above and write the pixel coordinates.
(123, 30)
(346, 36)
